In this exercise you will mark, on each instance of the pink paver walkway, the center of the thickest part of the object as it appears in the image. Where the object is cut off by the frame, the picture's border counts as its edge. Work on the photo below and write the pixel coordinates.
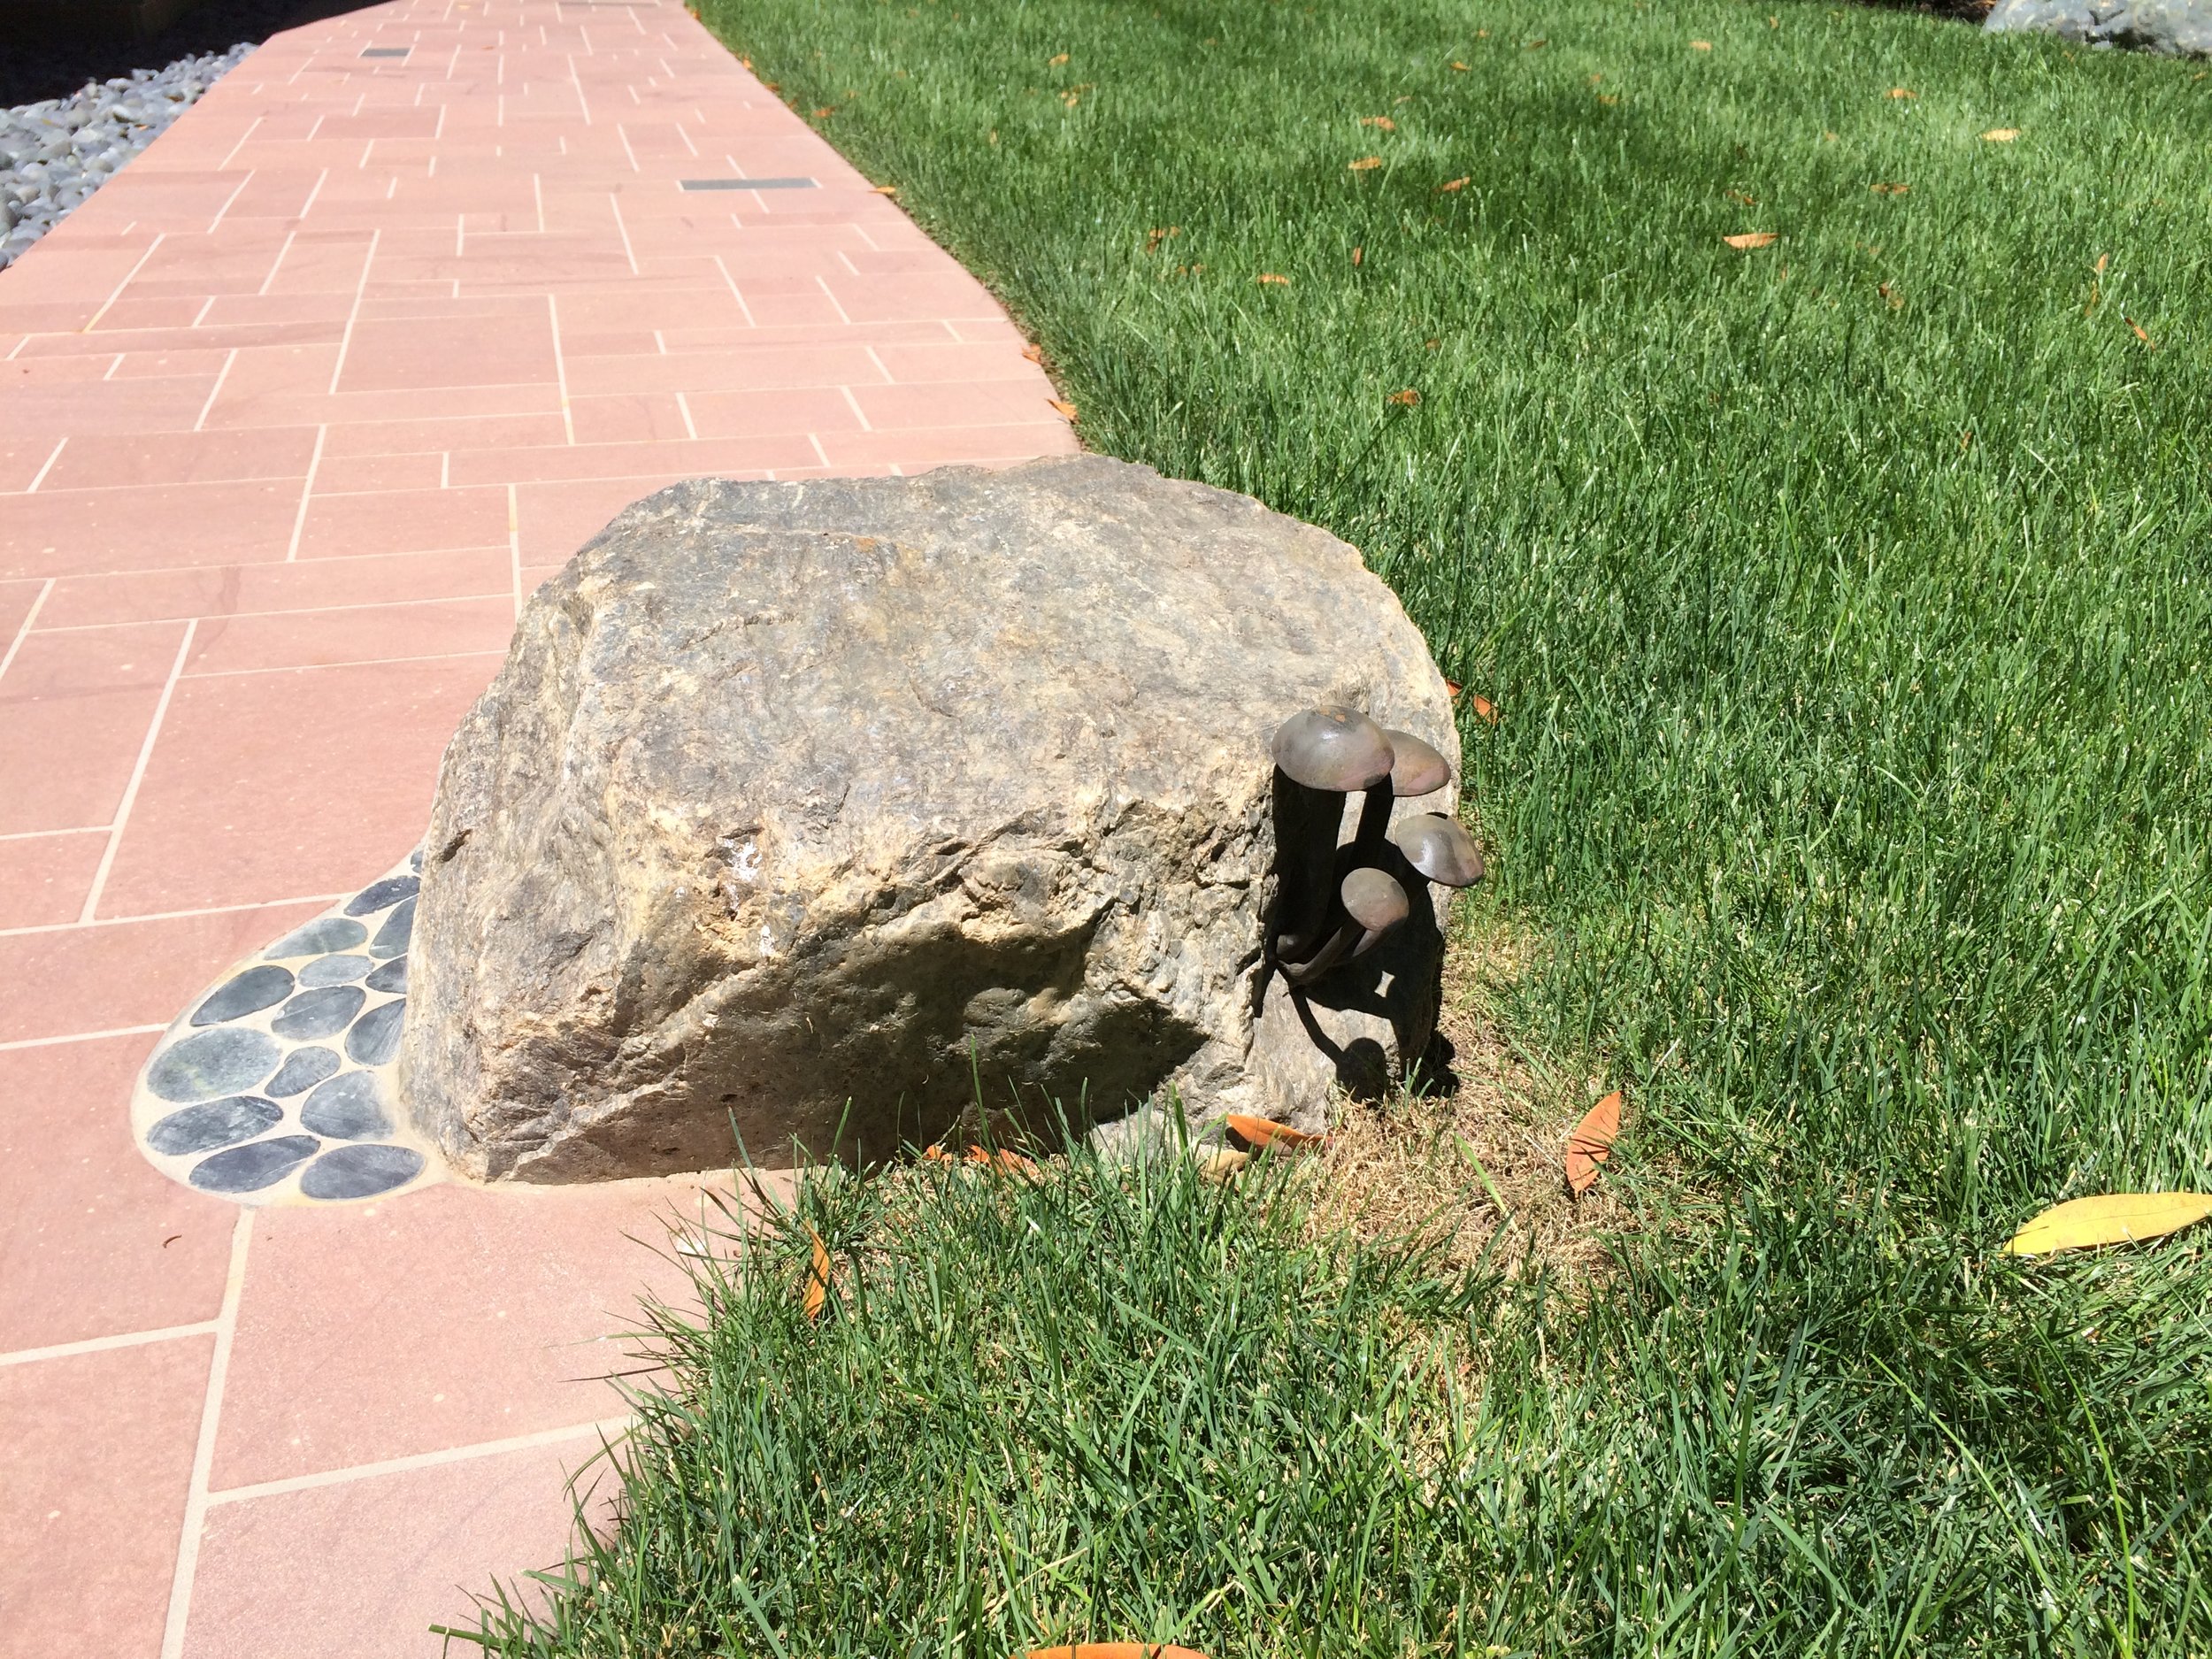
(293, 414)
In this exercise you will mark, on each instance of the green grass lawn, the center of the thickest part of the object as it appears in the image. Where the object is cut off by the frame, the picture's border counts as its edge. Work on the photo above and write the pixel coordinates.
(1847, 602)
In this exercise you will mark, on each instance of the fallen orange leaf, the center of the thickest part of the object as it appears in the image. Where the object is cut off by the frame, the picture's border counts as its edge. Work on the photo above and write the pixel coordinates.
(1406, 399)
(1159, 234)
(1054, 63)
(2103, 259)
(2001, 135)
(1700, 46)
(1461, 68)
(818, 1277)
(1006, 1163)
(1891, 189)
(1033, 353)
(1902, 92)
(1752, 239)
(1450, 185)
(887, 190)
(1264, 1132)
(1748, 200)
(825, 112)
(2139, 334)
(1364, 164)
(1383, 122)
(1067, 410)
(1592, 1143)
(1484, 710)
(1358, 254)
(1271, 280)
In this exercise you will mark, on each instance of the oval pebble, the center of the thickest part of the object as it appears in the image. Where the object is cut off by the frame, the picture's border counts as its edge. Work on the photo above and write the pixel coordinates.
(391, 939)
(323, 1013)
(360, 1171)
(319, 938)
(333, 970)
(226, 1061)
(257, 1165)
(303, 1068)
(390, 976)
(348, 1108)
(374, 1038)
(382, 895)
(219, 1123)
(248, 993)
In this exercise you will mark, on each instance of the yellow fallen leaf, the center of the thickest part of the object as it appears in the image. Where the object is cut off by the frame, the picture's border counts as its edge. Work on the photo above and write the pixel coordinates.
(818, 1277)
(2139, 334)
(887, 190)
(2103, 259)
(1067, 410)
(1383, 122)
(2111, 1219)
(1054, 63)
(1450, 185)
(1270, 279)
(1700, 46)
(1753, 239)
(1461, 68)
(2001, 135)
(1364, 164)
(1222, 1163)
(1902, 92)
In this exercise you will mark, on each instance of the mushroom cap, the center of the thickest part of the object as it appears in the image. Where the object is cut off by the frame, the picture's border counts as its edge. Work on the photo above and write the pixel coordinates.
(1333, 748)
(1439, 848)
(1374, 899)
(1416, 769)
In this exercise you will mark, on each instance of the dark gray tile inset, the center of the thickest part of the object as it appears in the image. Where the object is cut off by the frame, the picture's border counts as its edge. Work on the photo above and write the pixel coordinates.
(374, 1039)
(360, 1171)
(749, 184)
(249, 992)
(226, 1061)
(319, 1129)
(318, 938)
(220, 1122)
(348, 1108)
(386, 51)
(301, 1070)
(257, 1165)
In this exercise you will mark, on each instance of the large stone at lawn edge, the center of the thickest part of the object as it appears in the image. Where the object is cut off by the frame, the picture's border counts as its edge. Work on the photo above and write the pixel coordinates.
(804, 804)
(2171, 27)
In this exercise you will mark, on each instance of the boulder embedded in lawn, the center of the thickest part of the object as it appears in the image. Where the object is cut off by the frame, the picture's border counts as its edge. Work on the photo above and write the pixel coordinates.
(808, 812)
(2171, 27)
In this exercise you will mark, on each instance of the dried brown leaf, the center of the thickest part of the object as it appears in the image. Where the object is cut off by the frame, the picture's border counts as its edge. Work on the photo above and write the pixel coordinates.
(1366, 163)
(1382, 121)
(1592, 1143)
(1067, 410)
(818, 1279)
(1753, 239)
(2001, 135)
(1450, 185)
(1405, 399)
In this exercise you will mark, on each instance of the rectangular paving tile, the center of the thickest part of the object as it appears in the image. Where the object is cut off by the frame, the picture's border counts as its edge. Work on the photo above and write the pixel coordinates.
(87, 532)
(98, 1450)
(356, 633)
(94, 1242)
(44, 879)
(74, 709)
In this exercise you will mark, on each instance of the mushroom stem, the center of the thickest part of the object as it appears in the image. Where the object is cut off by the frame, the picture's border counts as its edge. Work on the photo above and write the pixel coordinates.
(1370, 902)
(1306, 824)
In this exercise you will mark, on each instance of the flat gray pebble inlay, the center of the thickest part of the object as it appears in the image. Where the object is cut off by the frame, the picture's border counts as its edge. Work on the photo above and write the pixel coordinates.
(249, 992)
(301, 1070)
(257, 1165)
(228, 1060)
(333, 969)
(318, 938)
(219, 1123)
(374, 1038)
(360, 1171)
(348, 1108)
(323, 1013)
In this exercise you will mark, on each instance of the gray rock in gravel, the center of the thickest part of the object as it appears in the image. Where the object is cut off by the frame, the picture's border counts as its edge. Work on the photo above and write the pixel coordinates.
(2171, 28)
(877, 791)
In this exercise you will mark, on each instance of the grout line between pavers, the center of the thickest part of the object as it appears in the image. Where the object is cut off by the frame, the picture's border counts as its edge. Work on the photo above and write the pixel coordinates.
(32, 489)
(560, 365)
(203, 1448)
(138, 775)
(160, 236)
(77, 829)
(307, 494)
(355, 661)
(106, 1344)
(216, 390)
(161, 916)
(345, 341)
(419, 1460)
(14, 1043)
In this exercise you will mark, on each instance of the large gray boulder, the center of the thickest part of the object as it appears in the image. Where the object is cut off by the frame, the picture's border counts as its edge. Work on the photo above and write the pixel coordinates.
(809, 807)
(2174, 27)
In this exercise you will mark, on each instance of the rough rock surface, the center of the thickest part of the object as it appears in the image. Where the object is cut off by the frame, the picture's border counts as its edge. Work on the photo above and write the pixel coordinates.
(802, 805)
(2173, 27)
